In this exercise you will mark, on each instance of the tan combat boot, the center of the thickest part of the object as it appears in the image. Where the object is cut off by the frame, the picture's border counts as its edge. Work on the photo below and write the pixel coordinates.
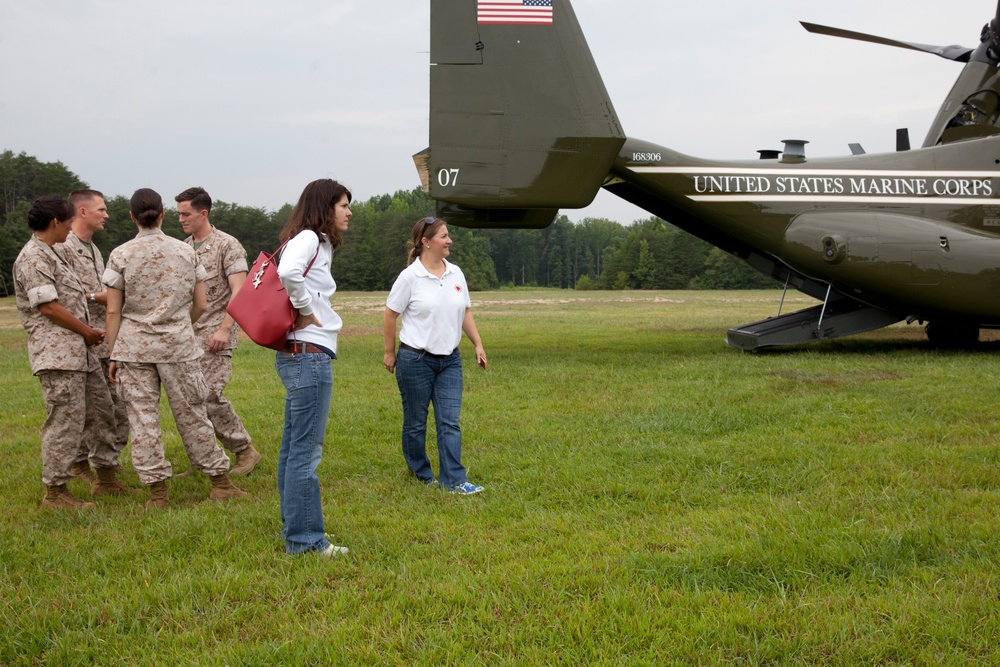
(158, 495)
(223, 489)
(81, 470)
(246, 460)
(58, 497)
(107, 484)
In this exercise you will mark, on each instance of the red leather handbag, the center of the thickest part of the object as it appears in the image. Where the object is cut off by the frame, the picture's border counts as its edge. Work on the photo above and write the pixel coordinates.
(261, 307)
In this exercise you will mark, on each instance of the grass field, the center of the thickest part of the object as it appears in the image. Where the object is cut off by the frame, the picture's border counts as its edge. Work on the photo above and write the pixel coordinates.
(652, 497)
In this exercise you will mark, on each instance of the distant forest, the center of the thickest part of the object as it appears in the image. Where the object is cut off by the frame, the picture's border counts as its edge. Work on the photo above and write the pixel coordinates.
(595, 253)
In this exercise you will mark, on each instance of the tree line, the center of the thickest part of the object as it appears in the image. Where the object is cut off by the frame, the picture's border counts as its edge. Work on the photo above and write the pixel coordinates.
(595, 253)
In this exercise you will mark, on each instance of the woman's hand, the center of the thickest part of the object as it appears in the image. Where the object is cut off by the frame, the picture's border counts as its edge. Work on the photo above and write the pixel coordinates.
(93, 336)
(302, 321)
(389, 339)
(469, 327)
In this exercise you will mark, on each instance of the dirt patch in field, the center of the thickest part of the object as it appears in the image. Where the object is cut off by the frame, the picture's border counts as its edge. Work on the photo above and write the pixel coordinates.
(355, 331)
(8, 318)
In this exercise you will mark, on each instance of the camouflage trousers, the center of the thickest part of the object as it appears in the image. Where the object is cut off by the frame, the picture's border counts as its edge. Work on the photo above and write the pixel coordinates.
(80, 423)
(139, 387)
(120, 414)
(217, 369)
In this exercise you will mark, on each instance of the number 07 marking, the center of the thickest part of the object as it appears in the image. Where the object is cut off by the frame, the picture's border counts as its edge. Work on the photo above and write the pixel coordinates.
(448, 177)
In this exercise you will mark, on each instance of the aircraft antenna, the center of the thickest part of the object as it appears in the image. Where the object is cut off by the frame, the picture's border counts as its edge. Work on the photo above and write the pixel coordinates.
(903, 139)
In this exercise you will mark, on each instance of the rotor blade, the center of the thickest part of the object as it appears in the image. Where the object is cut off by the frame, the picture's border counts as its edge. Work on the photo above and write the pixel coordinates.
(953, 52)
(995, 23)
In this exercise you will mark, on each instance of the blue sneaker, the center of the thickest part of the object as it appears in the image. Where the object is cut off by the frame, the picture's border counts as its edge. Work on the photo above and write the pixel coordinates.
(465, 489)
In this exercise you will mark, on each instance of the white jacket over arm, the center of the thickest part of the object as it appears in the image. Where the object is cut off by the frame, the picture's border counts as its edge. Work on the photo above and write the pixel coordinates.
(310, 293)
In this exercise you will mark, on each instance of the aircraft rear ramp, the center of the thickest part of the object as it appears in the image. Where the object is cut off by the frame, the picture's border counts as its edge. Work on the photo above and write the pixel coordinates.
(843, 317)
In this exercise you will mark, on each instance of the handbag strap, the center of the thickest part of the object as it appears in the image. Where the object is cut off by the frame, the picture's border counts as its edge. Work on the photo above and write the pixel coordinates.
(309, 266)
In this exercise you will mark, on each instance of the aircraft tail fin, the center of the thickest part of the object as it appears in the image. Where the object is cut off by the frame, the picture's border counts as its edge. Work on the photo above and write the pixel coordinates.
(520, 121)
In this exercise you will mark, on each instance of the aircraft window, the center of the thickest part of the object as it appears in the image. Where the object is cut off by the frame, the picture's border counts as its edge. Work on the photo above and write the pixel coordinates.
(980, 108)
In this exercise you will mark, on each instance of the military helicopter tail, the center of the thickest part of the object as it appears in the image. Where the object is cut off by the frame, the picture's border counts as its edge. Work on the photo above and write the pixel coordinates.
(521, 124)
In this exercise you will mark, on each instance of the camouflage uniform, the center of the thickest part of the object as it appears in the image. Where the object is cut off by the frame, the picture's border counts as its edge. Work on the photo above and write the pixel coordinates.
(87, 262)
(80, 420)
(156, 345)
(221, 255)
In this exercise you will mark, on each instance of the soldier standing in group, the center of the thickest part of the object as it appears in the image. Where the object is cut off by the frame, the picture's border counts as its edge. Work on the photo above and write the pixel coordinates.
(156, 290)
(89, 214)
(225, 263)
(52, 307)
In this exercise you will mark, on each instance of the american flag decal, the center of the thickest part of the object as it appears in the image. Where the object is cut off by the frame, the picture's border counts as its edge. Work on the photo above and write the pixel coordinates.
(514, 12)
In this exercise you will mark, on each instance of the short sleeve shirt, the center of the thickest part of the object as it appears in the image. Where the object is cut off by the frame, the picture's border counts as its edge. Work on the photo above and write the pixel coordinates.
(42, 275)
(222, 256)
(158, 275)
(432, 309)
(88, 263)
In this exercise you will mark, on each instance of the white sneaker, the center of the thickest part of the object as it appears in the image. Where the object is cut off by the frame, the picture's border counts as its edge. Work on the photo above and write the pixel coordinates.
(333, 550)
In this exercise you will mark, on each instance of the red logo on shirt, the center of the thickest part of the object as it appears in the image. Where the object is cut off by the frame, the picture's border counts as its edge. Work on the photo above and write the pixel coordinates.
(458, 288)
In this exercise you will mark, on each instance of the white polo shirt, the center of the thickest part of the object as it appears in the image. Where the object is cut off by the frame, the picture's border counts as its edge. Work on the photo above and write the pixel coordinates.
(432, 308)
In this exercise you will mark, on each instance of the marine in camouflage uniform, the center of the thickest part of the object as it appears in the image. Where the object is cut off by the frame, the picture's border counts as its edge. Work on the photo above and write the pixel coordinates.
(88, 263)
(80, 420)
(225, 263)
(155, 345)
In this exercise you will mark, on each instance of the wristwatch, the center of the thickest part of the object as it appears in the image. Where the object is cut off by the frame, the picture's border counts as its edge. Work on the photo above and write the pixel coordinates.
(92, 297)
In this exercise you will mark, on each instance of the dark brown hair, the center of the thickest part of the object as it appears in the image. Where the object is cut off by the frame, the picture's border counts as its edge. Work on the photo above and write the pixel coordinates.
(200, 200)
(315, 211)
(146, 207)
(425, 228)
(47, 208)
(77, 197)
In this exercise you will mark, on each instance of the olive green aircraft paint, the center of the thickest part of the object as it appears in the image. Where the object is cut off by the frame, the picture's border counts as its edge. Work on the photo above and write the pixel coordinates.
(521, 125)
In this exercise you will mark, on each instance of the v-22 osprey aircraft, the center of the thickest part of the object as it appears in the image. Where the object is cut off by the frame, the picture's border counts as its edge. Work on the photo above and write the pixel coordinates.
(521, 125)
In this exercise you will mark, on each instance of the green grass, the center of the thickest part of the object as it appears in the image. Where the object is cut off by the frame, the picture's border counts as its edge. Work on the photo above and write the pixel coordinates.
(652, 497)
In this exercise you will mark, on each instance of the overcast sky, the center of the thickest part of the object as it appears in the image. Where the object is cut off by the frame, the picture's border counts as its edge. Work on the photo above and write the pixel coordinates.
(254, 99)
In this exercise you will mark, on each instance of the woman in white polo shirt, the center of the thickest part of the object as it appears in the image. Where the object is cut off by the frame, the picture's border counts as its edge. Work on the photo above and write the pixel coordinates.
(432, 297)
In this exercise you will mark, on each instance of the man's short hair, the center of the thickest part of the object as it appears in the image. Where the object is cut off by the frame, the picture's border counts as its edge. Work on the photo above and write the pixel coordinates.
(78, 197)
(200, 201)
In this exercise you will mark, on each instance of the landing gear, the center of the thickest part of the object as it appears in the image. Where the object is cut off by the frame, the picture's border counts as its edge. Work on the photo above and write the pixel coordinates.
(952, 335)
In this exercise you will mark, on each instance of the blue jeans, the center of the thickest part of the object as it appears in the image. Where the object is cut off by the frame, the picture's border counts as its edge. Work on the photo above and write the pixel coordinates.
(308, 380)
(425, 379)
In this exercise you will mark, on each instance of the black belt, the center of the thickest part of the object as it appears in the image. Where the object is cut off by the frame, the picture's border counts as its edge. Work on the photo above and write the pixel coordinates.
(404, 346)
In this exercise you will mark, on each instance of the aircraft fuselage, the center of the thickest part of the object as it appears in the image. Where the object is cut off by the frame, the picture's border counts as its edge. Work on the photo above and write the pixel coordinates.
(916, 233)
